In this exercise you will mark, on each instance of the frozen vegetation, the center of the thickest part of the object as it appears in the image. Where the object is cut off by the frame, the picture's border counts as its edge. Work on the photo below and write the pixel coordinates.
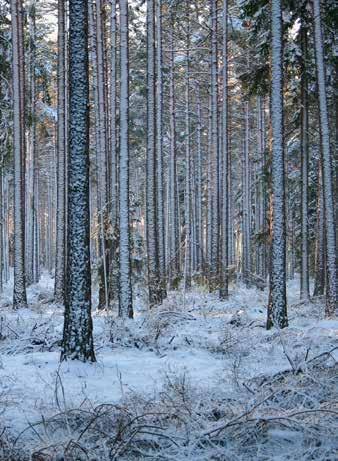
(196, 379)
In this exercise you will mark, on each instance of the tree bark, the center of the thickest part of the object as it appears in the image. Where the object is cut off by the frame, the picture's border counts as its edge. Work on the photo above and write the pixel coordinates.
(125, 293)
(326, 156)
(60, 262)
(77, 334)
(304, 276)
(19, 144)
(154, 285)
(277, 308)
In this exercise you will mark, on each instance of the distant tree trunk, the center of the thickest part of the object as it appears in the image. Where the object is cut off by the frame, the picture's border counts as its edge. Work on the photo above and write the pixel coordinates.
(159, 150)
(31, 151)
(1, 224)
(224, 290)
(125, 293)
(304, 277)
(77, 334)
(102, 155)
(214, 156)
(173, 226)
(187, 195)
(320, 270)
(199, 224)
(246, 199)
(59, 287)
(326, 155)
(154, 285)
(262, 190)
(114, 263)
(277, 308)
(19, 297)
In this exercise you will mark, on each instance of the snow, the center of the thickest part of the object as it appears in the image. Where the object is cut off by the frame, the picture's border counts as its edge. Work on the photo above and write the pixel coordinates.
(219, 346)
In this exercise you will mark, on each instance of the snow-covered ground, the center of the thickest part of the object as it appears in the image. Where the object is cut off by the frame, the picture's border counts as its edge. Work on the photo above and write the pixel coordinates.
(221, 349)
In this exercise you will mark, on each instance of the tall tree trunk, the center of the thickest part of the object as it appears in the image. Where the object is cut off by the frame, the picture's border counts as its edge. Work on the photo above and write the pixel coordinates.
(198, 201)
(214, 155)
(114, 262)
(304, 277)
(262, 191)
(326, 155)
(19, 296)
(159, 150)
(77, 334)
(173, 226)
(224, 291)
(59, 287)
(187, 195)
(102, 155)
(320, 271)
(277, 308)
(125, 293)
(246, 256)
(154, 285)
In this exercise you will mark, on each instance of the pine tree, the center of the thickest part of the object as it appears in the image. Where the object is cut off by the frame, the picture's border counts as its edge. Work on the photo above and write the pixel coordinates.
(125, 293)
(326, 156)
(154, 285)
(277, 310)
(19, 298)
(60, 262)
(77, 334)
(304, 280)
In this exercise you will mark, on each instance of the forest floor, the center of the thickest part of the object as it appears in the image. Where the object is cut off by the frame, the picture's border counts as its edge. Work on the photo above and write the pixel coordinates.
(195, 379)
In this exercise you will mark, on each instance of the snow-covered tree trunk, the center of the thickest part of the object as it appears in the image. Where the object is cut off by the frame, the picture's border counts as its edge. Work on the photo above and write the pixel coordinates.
(246, 202)
(19, 146)
(125, 293)
(224, 289)
(187, 194)
(159, 150)
(304, 274)
(173, 225)
(31, 151)
(77, 334)
(261, 190)
(326, 155)
(277, 308)
(102, 154)
(154, 285)
(214, 156)
(114, 263)
(59, 287)
(320, 270)
(198, 201)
